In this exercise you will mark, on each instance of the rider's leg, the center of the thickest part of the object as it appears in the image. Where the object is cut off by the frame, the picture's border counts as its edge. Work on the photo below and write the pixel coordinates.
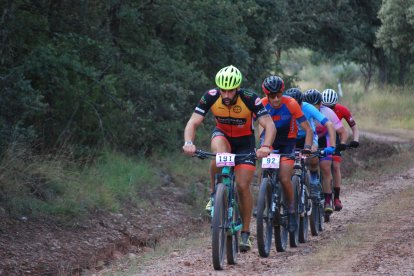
(285, 177)
(244, 177)
(326, 172)
(337, 177)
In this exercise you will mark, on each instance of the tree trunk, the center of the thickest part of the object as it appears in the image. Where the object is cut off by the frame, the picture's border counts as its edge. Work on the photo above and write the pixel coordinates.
(4, 31)
(403, 65)
(366, 70)
(114, 21)
(382, 66)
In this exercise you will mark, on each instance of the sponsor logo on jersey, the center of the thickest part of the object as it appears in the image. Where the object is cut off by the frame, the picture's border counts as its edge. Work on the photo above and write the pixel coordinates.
(212, 92)
(200, 110)
(276, 118)
(258, 101)
(231, 121)
(203, 100)
(237, 109)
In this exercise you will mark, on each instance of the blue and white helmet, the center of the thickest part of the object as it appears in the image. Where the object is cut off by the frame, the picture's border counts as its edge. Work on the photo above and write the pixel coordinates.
(329, 97)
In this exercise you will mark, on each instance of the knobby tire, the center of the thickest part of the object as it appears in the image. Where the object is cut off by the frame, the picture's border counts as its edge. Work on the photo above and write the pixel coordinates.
(294, 236)
(263, 220)
(280, 223)
(218, 226)
(304, 220)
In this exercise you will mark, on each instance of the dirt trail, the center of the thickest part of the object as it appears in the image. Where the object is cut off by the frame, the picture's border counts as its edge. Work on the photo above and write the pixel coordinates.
(107, 244)
(391, 250)
(386, 245)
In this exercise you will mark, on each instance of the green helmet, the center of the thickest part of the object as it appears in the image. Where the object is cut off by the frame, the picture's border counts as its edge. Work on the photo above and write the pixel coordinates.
(228, 78)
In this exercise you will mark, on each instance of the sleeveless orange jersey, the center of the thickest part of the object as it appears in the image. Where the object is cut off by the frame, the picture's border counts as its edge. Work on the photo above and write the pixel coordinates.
(235, 120)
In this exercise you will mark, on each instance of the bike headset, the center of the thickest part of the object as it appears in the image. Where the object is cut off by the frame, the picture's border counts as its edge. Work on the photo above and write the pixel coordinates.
(329, 97)
(273, 85)
(312, 96)
(228, 78)
(295, 93)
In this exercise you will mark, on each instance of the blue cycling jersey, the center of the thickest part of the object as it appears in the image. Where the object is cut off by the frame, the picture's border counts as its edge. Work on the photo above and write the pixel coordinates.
(311, 114)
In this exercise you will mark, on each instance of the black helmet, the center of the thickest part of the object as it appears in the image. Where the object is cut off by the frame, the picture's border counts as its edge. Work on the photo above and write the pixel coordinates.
(295, 93)
(273, 84)
(312, 96)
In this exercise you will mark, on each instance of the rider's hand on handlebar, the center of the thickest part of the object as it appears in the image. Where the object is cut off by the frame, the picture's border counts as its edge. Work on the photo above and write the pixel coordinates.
(329, 150)
(354, 144)
(189, 149)
(306, 151)
(263, 151)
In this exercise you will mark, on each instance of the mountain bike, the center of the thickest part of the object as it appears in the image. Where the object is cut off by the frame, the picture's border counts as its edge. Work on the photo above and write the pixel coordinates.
(226, 222)
(272, 209)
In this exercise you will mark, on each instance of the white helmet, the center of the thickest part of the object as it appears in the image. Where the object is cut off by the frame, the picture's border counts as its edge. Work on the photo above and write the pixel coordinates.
(329, 97)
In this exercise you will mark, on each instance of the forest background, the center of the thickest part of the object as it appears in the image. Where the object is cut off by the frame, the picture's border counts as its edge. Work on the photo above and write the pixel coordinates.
(95, 94)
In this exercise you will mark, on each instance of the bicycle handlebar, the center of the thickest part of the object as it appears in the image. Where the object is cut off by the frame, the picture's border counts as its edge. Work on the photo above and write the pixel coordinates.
(205, 154)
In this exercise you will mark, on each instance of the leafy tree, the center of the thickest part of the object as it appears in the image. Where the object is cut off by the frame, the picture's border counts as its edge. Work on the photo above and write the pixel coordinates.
(396, 32)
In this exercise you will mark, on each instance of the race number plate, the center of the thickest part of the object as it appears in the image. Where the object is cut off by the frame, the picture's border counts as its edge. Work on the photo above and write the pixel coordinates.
(225, 159)
(271, 162)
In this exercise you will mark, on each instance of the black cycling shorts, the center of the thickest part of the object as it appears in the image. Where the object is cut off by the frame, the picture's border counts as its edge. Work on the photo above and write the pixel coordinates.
(239, 145)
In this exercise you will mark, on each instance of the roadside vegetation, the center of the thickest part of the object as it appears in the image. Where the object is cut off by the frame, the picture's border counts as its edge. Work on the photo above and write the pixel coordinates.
(93, 104)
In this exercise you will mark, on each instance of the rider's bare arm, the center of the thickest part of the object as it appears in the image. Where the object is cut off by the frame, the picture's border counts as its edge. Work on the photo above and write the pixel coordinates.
(309, 133)
(355, 133)
(343, 135)
(331, 131)
(189, 133)
(266, 123)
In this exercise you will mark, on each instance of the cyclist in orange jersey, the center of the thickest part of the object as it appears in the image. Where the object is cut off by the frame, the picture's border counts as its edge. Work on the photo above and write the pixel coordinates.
(233, 108)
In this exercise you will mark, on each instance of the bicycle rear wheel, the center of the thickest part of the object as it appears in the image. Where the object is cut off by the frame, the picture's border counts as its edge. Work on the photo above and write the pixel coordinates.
(219, 226)
(232, 243)
(264, 221)
(294, 236)
(280, 222)
(317, 215)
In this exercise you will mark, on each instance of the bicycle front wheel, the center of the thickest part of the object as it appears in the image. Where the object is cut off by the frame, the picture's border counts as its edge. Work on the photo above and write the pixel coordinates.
(294, 236)
(264, 221)
(219, 226)
(307, 209)
(233, 235)
(280, 224)
(317, 215)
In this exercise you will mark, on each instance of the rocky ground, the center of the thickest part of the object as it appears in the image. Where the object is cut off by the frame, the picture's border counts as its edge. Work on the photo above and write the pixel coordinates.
(97, 246)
